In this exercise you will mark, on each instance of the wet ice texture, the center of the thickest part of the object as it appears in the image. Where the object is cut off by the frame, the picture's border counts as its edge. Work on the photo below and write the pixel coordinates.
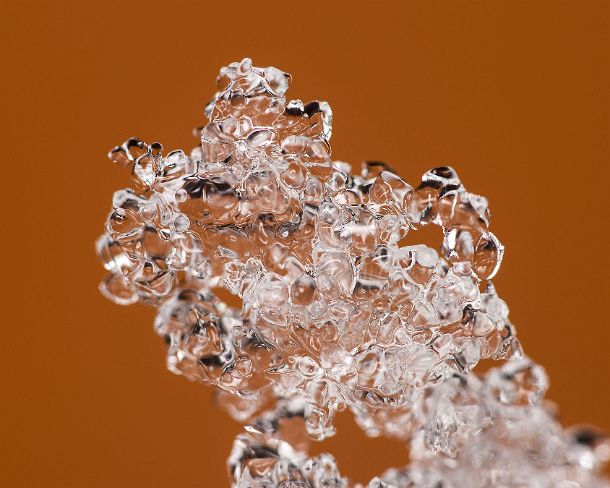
(474, 432)
(337, 312)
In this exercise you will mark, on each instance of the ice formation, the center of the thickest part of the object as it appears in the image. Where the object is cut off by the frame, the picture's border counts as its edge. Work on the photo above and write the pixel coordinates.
(337, 312)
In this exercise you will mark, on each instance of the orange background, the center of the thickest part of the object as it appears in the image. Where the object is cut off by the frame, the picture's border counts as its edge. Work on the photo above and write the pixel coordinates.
(513, 94)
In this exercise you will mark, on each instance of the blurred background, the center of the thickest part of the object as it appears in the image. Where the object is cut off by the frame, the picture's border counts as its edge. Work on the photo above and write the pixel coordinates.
(513, 94)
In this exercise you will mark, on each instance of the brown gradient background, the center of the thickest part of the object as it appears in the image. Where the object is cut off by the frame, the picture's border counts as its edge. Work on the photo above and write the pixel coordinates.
(513, 94)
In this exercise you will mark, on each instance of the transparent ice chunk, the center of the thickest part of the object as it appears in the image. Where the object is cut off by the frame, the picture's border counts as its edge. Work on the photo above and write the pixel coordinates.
(336, 312)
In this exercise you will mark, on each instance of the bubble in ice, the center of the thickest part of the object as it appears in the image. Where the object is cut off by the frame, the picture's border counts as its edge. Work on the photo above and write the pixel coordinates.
(337, 312)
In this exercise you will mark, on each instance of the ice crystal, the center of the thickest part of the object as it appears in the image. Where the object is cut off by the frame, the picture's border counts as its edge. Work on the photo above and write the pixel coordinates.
(337, 312)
